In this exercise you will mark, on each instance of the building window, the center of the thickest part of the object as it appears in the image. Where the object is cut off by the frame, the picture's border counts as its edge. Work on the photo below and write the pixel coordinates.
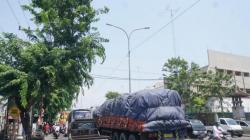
(246, 74)
(248, 91)
(237, 73)
(220, 70)
(229, 72)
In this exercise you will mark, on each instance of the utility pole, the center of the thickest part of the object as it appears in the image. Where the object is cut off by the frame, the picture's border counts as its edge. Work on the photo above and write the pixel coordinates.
(173, 32)
(129, 51)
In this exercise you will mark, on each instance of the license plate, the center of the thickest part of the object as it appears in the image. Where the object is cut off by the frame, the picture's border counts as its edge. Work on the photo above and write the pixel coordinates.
(168, 135)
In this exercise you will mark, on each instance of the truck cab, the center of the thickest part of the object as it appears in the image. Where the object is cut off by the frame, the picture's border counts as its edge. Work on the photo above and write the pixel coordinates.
(85, 129)
(81, 126)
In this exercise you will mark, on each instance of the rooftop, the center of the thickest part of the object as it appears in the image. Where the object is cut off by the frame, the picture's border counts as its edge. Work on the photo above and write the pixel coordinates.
(228, 61)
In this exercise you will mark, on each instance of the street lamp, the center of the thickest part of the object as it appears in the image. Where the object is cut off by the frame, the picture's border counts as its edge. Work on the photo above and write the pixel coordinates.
(128, 38)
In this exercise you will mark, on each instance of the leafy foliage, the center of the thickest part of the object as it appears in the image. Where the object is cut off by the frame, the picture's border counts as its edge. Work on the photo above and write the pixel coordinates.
(72, 44)
(13, 82)
(194, 84)
(49, 70)
(180, 77)
(112, 95)
(219, 85)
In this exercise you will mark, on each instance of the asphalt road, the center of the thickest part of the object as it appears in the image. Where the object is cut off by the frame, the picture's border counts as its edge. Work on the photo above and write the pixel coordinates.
(51, 137)
(234, 138)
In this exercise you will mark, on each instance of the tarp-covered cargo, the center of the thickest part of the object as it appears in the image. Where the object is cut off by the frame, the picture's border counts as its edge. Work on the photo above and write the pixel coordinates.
(155, 109)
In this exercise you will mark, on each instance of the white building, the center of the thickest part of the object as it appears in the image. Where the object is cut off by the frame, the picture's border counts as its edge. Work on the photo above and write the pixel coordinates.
(237, 66)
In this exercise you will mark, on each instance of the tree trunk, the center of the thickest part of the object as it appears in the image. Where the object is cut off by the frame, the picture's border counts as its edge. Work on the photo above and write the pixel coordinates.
(221, 104)
(26, 118)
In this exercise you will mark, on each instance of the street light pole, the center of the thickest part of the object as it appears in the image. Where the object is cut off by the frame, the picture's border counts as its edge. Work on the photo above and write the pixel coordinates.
(128, 38)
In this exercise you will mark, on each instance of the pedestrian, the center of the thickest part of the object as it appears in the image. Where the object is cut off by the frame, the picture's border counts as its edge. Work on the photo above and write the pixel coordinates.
(47, 127)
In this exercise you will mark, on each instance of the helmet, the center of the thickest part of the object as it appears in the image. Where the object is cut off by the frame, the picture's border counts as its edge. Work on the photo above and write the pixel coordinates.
(217, 123)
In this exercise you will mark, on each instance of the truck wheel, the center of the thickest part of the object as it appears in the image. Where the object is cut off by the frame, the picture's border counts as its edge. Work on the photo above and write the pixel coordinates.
(232, 134)
(132, 137)
(115, 136)
(123, 136)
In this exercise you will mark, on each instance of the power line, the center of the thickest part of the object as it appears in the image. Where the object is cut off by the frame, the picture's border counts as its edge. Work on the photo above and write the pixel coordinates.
(113, 71)
(25, 17)
(122, 78)
(164, 26)
(144, 41)
(13, 13)
(141, 72)
(173, 34)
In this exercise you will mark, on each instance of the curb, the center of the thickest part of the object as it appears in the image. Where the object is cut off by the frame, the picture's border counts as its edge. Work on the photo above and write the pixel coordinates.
(246, 135)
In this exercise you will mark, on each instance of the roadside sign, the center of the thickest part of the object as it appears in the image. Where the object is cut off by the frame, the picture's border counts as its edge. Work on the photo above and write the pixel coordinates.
(14, 112)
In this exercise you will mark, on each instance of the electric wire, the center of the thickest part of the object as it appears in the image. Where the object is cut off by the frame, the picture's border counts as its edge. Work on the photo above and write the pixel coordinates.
(25, 17)
(112, 73)
(122, 78)
(173, 35)
(167, 24)
(13, 13)
(148, 38)
(124, 70)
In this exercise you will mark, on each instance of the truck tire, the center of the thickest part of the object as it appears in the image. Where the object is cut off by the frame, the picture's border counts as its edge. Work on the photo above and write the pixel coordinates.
(115, 136)
(123, 136)
(232, 134)
(132, 137)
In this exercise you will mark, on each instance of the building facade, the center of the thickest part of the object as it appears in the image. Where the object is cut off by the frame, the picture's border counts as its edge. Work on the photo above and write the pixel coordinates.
(239, 68)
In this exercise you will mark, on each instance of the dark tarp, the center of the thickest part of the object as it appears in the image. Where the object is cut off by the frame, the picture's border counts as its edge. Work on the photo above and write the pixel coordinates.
(156, 107)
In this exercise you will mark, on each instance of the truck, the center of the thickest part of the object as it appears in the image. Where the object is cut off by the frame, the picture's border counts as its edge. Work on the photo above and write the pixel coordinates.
(154, 114)
(81, 126)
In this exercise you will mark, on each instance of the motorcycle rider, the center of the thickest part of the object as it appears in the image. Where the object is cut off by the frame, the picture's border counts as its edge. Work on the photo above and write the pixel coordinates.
(46, 128)
(217, 131)
(56, 128)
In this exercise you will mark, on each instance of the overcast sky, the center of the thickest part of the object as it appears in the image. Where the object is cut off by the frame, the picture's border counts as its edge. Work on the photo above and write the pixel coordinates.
(222, 25)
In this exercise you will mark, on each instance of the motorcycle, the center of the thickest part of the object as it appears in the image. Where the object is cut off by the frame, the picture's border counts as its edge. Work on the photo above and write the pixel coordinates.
(223, 136)
(62, 130)
(56, 134)
(46, 132)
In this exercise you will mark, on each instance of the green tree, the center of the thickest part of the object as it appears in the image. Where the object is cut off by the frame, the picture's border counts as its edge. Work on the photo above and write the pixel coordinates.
(49, 71)
(112, 95)
(218, 84)
(180, 76)
(194, 84)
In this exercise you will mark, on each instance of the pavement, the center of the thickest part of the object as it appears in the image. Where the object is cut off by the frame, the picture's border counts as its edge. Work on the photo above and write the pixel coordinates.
(245, 137)
(51, 137)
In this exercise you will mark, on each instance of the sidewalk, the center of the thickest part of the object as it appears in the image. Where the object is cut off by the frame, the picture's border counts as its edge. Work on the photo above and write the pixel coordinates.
(246, 135)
